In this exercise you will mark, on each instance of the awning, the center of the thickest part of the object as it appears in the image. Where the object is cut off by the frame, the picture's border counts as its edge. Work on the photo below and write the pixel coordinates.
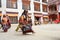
(38, 15)
(12, 14)
(0, 14)
(45, 16)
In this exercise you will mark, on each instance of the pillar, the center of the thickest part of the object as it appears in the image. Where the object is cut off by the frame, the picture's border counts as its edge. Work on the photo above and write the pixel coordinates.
(41, 20)
(3, 4)
(19, 6)
(41, 8)
(32, 11)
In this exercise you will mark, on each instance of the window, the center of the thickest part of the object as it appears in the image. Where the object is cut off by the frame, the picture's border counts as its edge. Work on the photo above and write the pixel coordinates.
(45, 1)
(12, 4)
(13, 19)
(37, 0)
(26, 5)
(0, 3)
(52, 7)
(36, 6)
(44, 8)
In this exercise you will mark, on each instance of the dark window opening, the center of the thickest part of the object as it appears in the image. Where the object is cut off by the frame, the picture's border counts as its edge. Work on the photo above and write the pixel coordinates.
(0, 19)
(52, 7)
(13, 19)
(0, 3)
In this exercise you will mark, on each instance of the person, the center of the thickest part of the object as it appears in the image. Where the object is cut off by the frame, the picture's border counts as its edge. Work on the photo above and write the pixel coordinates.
(30, 24)
(24, 23)
(39, 21)
(27, 27)
(5, 23)
(8, 21)
(21, 19)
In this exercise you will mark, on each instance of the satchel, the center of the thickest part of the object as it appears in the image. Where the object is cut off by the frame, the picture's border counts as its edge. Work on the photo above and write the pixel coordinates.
(26, 28)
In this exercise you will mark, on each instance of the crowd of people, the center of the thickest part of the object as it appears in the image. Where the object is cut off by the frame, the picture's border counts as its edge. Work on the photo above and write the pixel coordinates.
(25, 23)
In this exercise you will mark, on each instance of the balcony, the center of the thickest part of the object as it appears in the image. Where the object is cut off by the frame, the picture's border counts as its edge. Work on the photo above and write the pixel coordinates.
(11, 4)
(52, 8)
(53, 12)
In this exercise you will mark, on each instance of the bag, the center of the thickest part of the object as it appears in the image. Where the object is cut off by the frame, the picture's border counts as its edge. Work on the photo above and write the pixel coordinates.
(26, 29)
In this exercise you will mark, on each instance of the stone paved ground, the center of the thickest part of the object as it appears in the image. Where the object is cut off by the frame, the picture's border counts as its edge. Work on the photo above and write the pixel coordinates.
(43, 32)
